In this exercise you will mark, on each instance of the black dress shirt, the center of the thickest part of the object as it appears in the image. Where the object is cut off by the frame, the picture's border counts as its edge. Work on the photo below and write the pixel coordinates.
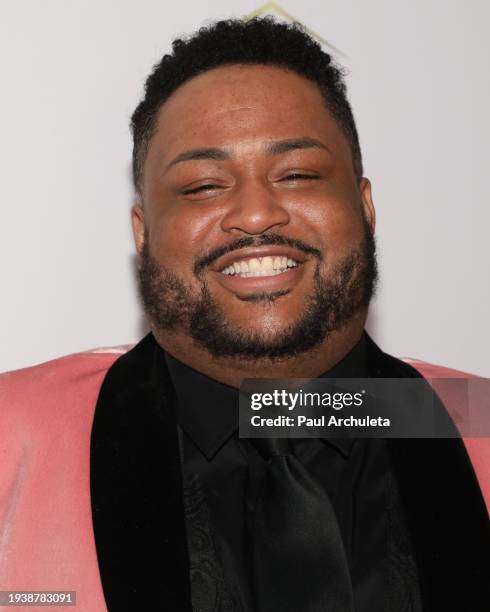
(222, 474)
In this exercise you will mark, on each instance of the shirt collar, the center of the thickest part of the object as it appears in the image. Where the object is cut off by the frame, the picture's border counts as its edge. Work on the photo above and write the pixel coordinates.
(353, 365)
(207, 410)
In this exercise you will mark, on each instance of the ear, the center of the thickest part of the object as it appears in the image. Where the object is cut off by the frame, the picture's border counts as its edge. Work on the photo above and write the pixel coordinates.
(138, 223)
(367, 202)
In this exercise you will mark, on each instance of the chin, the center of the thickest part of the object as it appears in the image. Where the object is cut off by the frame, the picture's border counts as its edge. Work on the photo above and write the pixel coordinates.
(262, 323)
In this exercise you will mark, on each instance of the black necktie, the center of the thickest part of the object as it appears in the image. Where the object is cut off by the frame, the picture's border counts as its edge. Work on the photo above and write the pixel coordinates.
(299, 562)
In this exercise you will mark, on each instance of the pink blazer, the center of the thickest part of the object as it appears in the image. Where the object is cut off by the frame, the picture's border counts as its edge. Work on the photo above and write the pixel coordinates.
(46, 535)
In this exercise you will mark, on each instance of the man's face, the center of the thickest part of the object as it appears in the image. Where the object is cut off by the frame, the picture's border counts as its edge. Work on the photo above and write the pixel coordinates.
(255, 235)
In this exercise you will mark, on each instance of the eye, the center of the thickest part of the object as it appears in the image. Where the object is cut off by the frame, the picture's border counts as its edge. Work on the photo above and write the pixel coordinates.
(299, 176)
(199, 189)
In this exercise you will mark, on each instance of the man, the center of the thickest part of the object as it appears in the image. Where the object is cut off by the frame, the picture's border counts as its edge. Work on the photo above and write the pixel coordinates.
(254, 230)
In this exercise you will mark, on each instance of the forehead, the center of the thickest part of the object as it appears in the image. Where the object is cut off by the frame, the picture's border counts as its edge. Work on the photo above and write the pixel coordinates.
(232, 104)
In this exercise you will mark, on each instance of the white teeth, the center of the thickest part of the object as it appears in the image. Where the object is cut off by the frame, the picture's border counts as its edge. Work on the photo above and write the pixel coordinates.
(254, 265)
(260, 266)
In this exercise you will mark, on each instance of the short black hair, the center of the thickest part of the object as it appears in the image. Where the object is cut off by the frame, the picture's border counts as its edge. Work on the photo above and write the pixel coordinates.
(260, 40)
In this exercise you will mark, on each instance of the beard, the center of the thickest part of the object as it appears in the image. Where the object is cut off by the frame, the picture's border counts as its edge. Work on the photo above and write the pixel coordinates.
(171, 305)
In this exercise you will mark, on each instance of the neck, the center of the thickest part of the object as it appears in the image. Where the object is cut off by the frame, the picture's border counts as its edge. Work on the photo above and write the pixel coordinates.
(232, 370)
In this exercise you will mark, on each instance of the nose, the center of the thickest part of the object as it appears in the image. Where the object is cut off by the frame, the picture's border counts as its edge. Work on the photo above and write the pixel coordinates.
(254, 209)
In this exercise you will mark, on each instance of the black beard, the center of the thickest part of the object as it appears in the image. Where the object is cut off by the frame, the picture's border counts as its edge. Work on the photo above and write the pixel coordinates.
(170, 305)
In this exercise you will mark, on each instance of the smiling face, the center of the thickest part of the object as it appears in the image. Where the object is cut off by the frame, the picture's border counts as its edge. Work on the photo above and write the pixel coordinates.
(253, 220)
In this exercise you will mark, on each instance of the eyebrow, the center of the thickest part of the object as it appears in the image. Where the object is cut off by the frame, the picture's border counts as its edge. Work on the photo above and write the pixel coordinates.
(271, 148)
(291, 144)
(205, 153)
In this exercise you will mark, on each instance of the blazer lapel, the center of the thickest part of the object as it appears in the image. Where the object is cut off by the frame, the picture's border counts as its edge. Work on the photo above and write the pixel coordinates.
(136, 487)
(445, 511)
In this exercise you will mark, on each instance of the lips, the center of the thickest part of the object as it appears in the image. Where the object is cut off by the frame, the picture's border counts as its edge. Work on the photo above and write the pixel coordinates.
(259, 266)
(260, 269)
(259, 260)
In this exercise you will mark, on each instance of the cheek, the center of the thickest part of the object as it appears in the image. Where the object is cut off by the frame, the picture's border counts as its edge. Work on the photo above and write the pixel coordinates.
(177, 235)
(347, 231)
(336, 225)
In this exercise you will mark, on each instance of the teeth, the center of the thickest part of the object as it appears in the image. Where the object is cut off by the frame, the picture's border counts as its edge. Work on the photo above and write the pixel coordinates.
(260, 266)
(254, 265)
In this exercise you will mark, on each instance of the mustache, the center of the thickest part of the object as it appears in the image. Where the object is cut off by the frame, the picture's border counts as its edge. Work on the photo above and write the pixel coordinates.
(252, 241)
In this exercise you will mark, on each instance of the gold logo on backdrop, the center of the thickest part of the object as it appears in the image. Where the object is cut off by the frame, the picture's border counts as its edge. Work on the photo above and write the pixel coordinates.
(274, 9)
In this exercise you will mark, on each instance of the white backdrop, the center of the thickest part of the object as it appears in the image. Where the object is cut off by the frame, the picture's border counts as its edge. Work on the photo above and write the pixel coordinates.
(71, 74)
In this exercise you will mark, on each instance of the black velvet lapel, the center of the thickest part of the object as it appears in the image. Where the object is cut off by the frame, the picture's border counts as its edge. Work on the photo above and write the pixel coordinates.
(136, 487)
(445, 511)
(138, 513)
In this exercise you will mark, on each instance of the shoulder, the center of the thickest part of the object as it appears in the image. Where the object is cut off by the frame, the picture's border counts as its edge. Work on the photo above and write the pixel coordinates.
(477, 448)
(385, 365)
(55, 392)
(431, 370)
